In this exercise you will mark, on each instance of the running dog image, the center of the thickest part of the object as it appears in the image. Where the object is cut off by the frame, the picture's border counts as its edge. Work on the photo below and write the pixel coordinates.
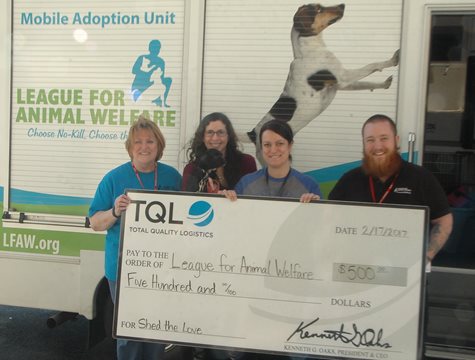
(149, 76)
(315, 73)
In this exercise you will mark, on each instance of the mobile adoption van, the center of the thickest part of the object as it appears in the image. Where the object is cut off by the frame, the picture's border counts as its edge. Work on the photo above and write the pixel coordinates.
(75, 76)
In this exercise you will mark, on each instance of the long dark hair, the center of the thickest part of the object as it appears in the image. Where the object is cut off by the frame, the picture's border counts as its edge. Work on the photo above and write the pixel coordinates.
(233, 155)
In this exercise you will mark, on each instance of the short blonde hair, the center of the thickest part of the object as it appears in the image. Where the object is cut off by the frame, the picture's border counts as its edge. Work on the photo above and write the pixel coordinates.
(144, 123)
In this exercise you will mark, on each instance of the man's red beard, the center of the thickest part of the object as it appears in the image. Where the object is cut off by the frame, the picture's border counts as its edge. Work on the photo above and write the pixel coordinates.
(382, 168)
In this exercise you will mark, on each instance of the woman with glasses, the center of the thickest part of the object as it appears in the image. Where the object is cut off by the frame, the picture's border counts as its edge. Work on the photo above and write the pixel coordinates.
(215, 132)
(215, 164)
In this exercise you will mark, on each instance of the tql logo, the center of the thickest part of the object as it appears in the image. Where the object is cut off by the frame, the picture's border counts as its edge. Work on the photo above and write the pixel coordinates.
(156, 212)
(201, 213)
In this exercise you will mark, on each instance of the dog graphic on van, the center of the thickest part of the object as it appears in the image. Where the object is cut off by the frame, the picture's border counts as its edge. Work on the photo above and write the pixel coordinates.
(316, 74)
(149, 72)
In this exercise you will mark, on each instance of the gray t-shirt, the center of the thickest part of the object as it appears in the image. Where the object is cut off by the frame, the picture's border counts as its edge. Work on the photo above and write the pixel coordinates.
(293, 185)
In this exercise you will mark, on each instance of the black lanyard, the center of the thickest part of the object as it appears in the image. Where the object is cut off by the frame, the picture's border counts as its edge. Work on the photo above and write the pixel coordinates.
(281, 189)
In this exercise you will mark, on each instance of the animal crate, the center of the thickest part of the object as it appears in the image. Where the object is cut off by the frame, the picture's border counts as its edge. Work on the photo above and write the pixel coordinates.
(452, 169)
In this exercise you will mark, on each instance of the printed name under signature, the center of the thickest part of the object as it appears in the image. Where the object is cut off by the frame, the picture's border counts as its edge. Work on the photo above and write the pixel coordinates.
(368, 337)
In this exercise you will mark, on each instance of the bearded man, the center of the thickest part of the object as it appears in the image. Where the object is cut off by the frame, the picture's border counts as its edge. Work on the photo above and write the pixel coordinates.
(384, 177)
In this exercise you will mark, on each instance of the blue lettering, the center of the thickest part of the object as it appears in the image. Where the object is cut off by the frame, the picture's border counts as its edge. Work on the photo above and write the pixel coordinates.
(54, 18)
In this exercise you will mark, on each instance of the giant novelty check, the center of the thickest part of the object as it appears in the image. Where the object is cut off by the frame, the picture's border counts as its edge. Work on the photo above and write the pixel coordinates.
(273, 275)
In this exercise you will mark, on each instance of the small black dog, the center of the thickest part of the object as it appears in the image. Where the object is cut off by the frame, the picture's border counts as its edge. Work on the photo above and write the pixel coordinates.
(207, 163)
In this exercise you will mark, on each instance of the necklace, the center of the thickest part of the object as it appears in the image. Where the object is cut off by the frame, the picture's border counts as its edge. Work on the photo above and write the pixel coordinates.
(155, 177)
(281, 188)
(386, 193)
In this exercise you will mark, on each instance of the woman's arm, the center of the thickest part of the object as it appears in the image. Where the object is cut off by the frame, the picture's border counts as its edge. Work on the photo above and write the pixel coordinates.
(307, 197)
(104, 220)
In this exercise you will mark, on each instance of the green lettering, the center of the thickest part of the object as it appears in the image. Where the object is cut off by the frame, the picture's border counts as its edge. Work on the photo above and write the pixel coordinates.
(53, 97)
(171, 116)
(134, 115)
(78, 117)
(68, 117)
(21, 115)
(42, 98)
(98, 116)
(30, 96)
(77, 97)
(54, 114)
(158, 117)
(118, 97)
(112, 117)
(19, 99)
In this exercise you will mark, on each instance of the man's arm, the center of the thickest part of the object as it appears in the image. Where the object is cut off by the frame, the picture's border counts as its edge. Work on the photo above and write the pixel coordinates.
(440, 232)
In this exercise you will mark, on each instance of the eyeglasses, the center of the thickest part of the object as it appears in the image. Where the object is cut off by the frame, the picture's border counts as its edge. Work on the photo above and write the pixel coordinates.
(219, 133)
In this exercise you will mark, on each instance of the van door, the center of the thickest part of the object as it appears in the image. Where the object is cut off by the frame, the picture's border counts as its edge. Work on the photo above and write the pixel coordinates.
(437, 106)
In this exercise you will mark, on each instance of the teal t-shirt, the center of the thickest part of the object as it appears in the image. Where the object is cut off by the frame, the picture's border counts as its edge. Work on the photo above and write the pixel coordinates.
(113, 185)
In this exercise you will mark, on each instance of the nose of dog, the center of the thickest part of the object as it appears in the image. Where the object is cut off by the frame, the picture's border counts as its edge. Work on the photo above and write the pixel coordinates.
(341, 9)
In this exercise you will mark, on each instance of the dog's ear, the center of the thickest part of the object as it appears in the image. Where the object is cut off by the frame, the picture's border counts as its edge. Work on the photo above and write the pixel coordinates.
(304, 18)
(211, 159)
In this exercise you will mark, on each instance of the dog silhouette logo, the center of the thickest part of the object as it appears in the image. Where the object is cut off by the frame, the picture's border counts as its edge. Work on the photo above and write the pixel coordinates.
(201, 213)
(149, 76)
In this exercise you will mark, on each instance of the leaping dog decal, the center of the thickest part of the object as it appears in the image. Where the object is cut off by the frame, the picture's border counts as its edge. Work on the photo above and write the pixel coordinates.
(315, 73)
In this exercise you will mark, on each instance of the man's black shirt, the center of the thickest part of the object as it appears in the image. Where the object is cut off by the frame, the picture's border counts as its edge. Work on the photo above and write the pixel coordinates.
(414, 185)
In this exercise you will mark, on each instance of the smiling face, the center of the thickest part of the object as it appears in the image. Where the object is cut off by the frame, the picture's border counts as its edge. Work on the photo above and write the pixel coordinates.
(144, 150)
(215, 136)
(275, 150)
(381, 157)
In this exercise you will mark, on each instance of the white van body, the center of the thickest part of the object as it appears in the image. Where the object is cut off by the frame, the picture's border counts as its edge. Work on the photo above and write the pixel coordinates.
(69, 92)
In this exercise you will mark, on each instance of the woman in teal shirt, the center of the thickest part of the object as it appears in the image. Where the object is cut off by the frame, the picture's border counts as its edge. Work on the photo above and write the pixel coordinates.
(145, 145)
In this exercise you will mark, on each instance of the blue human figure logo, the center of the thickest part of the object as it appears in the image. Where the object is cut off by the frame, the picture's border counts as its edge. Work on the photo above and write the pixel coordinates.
(149, 71)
